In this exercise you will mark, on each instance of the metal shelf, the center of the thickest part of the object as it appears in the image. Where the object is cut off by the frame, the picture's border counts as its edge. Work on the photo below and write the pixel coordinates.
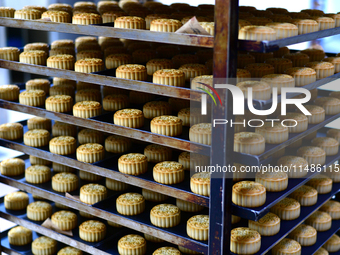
(142, 86)
(15, 249)
(145, 181)
(106, 247)
(266, 104)
(225, 56)
(268, 46)
(104, 123)
(103, 247)
(147, 87)
(150, 36)
(270, 149)
(274, 197)
(102, 29)
(176, 235)
(20, 218)
(109, 168)
(293, 137)
(287, 226)
(322, 238)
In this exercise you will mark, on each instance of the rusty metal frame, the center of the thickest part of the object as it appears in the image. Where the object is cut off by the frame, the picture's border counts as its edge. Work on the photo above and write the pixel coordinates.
(141, 86)
(222, 149)
(144, 228)
(95, 30)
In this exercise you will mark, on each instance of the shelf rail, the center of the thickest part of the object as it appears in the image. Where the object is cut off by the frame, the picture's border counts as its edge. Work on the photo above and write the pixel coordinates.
(93, 123)
(173, 38)
(94, 169)
(141, 86)
(165, 234)
(100, 30)
(52, 234)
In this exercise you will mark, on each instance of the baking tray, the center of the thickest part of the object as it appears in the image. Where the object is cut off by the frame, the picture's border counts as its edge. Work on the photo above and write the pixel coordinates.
(106, 29)
(274, 197)
(136, 222)
(174, 38)
(109, 205)
(322, 238)
(104, 123)
(183, 188)
(287, 226)
(108, 167)
(180, 143)
(20, 218)
(266, 104)
(107, 246)
(293, 137)
(25, 249)
(141, 86)
(268, 46)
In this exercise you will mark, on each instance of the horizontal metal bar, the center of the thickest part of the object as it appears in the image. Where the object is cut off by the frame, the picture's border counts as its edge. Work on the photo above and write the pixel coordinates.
(173, 38)
(54, 235)
(137, 134)
(269, 46)
(265, 104)
(9, 251)
(132, 34)
(129, 179)
(165, 234)
(141, 86)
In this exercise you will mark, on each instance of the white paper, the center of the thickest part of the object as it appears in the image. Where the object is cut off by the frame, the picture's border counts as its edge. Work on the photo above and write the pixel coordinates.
(68, 195)
(49, 224)
(192, 27)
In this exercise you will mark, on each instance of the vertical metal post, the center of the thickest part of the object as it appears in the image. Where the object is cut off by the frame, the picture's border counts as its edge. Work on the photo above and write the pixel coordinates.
(225, 65)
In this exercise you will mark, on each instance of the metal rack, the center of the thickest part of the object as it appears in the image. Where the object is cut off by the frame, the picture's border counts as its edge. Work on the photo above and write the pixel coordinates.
(225, 44)
(106, 210)
(150, 36)
(103, 247)
(104, 123)
(20, 218)
(141, 86)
